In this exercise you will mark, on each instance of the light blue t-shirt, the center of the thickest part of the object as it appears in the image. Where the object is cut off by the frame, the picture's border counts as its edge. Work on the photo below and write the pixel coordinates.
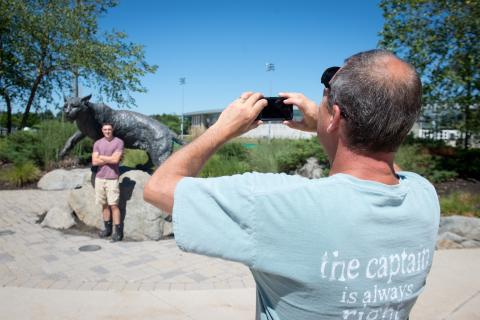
(330, 248)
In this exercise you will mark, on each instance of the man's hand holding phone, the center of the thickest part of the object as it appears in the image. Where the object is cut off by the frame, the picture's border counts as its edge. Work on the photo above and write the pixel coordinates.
(308, 108)
(240, 116)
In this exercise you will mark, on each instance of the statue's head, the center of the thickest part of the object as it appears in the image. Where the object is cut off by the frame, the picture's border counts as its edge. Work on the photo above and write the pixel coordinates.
(73, 106)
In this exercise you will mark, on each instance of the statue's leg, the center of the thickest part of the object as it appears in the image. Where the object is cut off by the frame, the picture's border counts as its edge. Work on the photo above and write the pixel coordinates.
(149, 166)
(71, 142)
(156, 155)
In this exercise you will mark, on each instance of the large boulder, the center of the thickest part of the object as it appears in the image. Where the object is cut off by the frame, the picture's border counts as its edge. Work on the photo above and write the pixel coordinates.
(82, 201)
(142, 221)
(311, 169)
(59, 217)
(467, 227)
(61, 179)
(458, 232)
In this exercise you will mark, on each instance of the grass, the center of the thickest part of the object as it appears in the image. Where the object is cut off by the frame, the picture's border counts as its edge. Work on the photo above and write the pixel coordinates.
(52, 135)
(460, 203)
(262, 155)
(218, 166)
(134, 157)
(20, 174)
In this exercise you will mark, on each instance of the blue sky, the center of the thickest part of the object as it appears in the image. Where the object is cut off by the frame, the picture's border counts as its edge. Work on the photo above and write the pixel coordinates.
(221, 47)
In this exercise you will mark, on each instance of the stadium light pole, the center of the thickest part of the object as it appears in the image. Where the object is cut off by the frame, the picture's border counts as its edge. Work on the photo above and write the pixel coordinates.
(182, 82)
(270, 67)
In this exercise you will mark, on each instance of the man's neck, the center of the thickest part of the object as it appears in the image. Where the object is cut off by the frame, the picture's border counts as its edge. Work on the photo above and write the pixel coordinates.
(109, 139)
(375, 167)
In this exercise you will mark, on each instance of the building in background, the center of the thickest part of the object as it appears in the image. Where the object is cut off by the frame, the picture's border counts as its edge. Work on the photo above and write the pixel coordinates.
(432, 124)
(201, 120)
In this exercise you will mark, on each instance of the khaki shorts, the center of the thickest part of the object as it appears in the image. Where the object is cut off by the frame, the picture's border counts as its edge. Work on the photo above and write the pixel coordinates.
(107, 191)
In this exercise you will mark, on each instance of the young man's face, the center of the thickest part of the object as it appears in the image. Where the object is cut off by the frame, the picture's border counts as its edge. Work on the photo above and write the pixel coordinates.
(107, 131)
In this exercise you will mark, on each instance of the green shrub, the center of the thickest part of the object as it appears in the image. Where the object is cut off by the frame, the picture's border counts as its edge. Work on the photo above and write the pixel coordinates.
(233, 150)
(19, 147)
(449, 161)
(230, 159)
(20, 173)
(465, 162)
(219, 166)
(416, 158)
(442, 175)
(43, 145)
(296, 153)
(460, 203)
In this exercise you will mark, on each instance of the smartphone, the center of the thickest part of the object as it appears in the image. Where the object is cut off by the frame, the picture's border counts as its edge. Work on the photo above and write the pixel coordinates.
(276, 110)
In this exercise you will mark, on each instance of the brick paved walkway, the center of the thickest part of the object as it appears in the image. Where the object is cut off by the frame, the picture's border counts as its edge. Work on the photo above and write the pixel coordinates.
(36, 257)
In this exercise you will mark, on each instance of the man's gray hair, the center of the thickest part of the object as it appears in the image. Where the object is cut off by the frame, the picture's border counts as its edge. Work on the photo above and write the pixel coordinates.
(380, 106)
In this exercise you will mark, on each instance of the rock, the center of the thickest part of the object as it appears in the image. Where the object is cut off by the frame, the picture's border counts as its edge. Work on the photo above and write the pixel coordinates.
(61, 179)
(311, 169)
(458, 232)
(448, 244)
(471, 244)
(451, 237)
(59, 217)
(82, 201)
(449, 240)
(466, 227)
(142, 221)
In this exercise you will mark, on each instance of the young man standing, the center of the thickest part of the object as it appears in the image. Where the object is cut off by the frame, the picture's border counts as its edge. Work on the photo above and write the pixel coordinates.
(107, 153)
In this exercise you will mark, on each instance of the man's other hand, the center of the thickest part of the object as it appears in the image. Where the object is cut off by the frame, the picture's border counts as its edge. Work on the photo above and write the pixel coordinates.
(307, 107)
(240, 116)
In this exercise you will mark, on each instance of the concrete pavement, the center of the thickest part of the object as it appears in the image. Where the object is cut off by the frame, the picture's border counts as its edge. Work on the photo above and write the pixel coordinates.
(43, 275)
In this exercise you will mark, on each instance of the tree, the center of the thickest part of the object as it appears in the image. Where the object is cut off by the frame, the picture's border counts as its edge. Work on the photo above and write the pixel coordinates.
(441, 39)
(172, 121)
(12, 82)
(56, 40)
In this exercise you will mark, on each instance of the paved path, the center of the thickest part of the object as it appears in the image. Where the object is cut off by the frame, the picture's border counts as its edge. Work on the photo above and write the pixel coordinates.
(43, 275)
(36, 257)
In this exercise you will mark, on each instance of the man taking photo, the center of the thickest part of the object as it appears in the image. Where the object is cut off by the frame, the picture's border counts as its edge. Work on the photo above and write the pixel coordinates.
(355, 245)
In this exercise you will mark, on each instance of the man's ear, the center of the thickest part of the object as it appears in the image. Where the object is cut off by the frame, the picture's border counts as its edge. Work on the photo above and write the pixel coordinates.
(334, 119)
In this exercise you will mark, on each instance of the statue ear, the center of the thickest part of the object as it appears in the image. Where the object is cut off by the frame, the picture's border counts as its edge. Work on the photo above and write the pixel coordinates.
(84, 99)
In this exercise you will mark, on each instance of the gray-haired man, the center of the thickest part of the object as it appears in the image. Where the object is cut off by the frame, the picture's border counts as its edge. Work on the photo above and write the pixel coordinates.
(356, 245)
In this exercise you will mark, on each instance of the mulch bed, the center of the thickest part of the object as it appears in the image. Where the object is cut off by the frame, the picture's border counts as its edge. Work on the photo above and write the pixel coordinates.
(7, 186)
